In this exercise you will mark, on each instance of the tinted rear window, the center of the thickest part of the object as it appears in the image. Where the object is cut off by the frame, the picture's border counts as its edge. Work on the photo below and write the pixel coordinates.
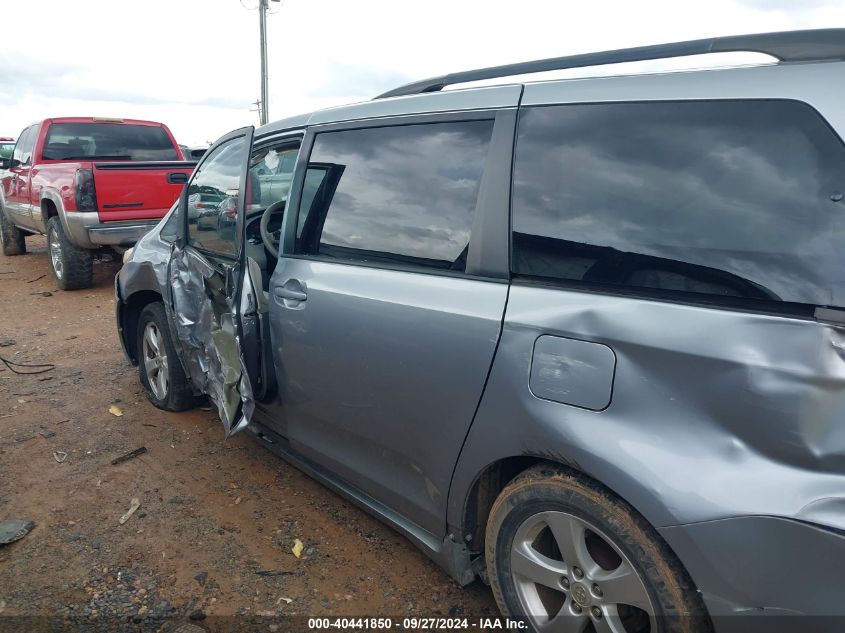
(114, 141)
(735, 199)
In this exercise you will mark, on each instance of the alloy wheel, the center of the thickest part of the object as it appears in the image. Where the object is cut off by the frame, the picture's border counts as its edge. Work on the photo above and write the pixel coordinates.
(155, 361)
(571, 578)
(56, 254)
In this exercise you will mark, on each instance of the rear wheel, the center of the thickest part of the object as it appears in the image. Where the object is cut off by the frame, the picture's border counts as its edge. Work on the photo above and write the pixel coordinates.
(73, 267)
(11, 237)
(565, 554)
(159, 366)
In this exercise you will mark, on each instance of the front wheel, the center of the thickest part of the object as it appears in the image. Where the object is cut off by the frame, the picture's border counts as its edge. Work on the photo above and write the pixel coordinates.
(565, 554)
(159, 366)
(11, 237)
(73, 267)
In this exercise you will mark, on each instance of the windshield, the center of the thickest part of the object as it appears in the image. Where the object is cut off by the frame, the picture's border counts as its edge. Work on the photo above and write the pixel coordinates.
(6, 150)
(118, 141)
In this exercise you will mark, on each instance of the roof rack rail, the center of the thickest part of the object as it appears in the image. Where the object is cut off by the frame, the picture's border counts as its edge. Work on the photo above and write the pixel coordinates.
(786, 46)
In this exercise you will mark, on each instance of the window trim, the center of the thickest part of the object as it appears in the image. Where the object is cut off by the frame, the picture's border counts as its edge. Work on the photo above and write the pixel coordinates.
(278, 138)
(788, 309)
(490, 231)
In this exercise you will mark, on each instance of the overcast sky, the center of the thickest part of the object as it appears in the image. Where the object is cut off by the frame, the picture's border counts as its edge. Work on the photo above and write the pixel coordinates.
(193, 64)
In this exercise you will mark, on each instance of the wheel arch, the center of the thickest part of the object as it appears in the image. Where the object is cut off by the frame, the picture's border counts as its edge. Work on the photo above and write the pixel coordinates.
(48, 208)
(51, 206)
(490, 480)
(130, 314)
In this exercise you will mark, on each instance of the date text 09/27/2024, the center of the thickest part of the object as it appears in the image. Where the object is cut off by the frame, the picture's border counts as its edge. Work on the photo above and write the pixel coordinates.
(416, 624)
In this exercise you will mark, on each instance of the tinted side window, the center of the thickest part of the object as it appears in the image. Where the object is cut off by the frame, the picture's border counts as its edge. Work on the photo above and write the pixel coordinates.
(722, 198)
(22, 147)
(213, 198)
(29, 145)
(401, 195)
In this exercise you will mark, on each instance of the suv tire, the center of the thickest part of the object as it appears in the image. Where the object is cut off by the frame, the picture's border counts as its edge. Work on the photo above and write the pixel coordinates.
(11, 237)
(595, 556)
(73, 267)
(159, 366)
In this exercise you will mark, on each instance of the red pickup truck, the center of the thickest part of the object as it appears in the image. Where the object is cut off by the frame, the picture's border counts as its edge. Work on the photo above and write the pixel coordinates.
(88, 184)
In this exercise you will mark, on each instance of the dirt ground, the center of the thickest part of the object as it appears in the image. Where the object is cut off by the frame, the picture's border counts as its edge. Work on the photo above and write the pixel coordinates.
(213, 535)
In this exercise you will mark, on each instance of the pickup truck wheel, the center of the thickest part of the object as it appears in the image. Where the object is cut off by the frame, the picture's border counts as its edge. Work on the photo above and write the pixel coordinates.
(73, 267)
(11, 237)
(159, 366)
(566, 554)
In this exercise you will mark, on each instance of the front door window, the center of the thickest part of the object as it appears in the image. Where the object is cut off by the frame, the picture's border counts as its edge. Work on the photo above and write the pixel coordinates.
(213, 199)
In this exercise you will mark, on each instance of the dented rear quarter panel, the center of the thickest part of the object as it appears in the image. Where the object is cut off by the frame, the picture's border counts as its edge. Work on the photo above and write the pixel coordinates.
(725, 430)
(714, 413)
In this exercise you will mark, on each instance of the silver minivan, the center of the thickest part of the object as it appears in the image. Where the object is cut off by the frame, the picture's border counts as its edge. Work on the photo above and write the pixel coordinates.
(582, 339)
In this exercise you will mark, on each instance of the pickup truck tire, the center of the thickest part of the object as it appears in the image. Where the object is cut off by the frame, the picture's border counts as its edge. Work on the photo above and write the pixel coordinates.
(73, 267)
(564, 552)
(159, 366)
(11, 237)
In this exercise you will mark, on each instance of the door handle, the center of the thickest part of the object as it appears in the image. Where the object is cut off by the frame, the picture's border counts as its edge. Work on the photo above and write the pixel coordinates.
(293, 291)
(288, 293)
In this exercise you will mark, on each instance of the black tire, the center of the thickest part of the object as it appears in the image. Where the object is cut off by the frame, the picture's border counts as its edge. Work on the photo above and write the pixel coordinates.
(11, 237)
(73, 267)
(177, 394)
(620, 538)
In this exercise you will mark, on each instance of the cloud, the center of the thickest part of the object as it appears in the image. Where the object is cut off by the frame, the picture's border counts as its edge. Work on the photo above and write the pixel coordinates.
(21, 74)
(343, 79)
(25, 74)
(787, 5)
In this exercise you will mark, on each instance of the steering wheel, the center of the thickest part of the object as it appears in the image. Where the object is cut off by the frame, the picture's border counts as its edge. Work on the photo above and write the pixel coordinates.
(271, 240)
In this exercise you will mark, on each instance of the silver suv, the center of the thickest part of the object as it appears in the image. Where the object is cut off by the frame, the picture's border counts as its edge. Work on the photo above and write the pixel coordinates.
(582, 339)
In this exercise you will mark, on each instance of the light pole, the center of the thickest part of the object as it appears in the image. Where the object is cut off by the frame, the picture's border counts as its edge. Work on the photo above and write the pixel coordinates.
(262, 26)
(262, 103)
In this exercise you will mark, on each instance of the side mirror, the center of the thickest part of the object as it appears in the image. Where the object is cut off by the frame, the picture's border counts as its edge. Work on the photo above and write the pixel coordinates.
(5, 163)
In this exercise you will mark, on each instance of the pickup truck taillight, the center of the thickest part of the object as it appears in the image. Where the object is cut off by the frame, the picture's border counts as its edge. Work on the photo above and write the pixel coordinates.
(86, 195)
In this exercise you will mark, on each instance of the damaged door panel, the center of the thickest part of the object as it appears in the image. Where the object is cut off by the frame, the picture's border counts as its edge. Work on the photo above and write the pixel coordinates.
(206, 326)
(211, 293)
